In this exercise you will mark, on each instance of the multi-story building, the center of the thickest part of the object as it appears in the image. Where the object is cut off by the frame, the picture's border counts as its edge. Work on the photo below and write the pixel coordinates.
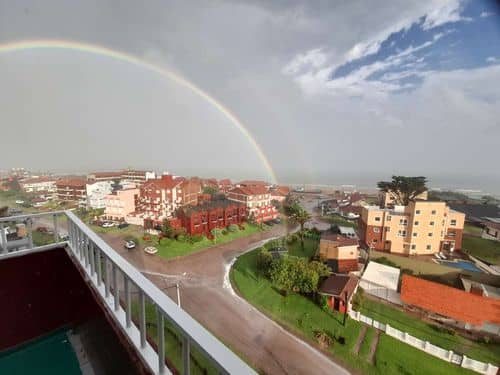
(215, 214)
(388, 199)
(120, 204)
(225, 185)
(136, 176)
(39, 184)
(280, 193)
(104, 176)
(159, 198)
(97, 192)
(421, 227)
(72, 190)
(340, 252)
(257, 200)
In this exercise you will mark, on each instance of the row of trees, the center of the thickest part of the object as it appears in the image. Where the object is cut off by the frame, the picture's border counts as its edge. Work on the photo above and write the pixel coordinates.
(299, 215)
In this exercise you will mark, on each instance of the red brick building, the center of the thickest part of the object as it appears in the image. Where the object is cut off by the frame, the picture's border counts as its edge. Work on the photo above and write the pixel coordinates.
(159, 198)
(257, 200)
(72, 190)
(215, 214)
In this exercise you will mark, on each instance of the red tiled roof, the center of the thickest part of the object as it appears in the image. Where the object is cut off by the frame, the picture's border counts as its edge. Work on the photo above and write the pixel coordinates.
(342, 240)
(225, 182)
(281, 190)
(450, 302)
(252, 183)
(73, 182)
(250, 190)
(36, 180)
(165, 182)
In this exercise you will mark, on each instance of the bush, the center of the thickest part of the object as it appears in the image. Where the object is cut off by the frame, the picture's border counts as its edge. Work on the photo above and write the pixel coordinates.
(292, 239)
(324, 339)
(264, 260)
(233, 228)
(357, 299)
(224, 232)
(181, 238)
(197, 238)
(215, 232)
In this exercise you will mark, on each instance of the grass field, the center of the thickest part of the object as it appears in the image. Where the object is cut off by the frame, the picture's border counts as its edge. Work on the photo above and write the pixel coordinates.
(425, 331)
(472, 230)
(171, 248)
(303, 317)
(487, 250)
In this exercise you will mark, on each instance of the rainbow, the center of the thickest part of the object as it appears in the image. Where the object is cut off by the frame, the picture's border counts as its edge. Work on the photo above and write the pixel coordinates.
(125, 57)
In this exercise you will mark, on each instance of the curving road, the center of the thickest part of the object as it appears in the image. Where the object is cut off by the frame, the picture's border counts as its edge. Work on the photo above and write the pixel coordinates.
(206, 295)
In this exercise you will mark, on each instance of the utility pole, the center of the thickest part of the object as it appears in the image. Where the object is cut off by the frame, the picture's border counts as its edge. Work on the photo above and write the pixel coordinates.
(345, 308)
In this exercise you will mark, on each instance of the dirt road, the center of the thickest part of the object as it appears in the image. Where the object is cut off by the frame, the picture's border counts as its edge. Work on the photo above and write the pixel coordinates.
(206, 295)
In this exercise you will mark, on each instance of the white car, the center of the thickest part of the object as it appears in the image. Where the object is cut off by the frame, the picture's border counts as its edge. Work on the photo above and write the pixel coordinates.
(19, 201)
(130, 245)
(107, 224)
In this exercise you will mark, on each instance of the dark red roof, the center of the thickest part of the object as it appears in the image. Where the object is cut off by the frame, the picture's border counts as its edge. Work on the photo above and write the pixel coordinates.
(340, 239)
(450, 302)
(73, 182)
(337, 285)
(250, 190)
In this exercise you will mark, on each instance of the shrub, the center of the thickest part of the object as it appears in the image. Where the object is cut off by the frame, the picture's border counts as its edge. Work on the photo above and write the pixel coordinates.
(224, 232)
(357, 299)
(264, 260)
(215, 232)
(324, 339)
(181, 238)
(232, 228)
(197, 238)
(292, 239)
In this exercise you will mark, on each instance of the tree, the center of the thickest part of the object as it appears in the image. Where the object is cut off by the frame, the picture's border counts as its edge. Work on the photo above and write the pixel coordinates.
(300, 216)
(167, 229)
(404, 189)
(212, 190)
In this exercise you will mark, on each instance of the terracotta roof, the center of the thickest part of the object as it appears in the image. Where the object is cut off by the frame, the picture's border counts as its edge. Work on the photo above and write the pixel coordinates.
(73, 182)
(225, 182)
(450, 302)
(281, 190)
(106, 174)
(250, 190)
(165, 182)
(253, 183)
(337, 285)
(342, 240)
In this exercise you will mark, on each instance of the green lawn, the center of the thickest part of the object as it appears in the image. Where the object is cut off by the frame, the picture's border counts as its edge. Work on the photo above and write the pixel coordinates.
(472, 230)
(310, 248)
(171, 248)
(303, 317)
(487, 250)
(434, 334)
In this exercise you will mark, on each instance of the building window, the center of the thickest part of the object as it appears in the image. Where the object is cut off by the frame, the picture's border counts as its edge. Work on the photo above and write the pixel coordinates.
(401, 233)
(387, 229)
(416, 223)
(428, 247)
(374, 241)
(433, 212)
(376, 230)
(453, 222)
(403, 221)
(417, 212)
(415, 234)
(377, 218)
(431, 223)
(413, 247)
(388, 218)
(430, 234)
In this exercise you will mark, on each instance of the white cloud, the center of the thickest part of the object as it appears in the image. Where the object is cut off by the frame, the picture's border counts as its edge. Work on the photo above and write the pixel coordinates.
(312, 59)
(486, 14)
(445, 13)
(492, 59)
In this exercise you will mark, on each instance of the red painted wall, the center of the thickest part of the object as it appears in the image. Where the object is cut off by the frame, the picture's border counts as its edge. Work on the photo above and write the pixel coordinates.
(41, 292)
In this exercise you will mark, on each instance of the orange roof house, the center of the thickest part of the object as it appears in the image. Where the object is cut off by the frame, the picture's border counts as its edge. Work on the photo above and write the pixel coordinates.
(450, 302)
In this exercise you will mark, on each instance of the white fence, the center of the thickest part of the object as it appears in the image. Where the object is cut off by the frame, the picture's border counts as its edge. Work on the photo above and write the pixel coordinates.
(426, 346)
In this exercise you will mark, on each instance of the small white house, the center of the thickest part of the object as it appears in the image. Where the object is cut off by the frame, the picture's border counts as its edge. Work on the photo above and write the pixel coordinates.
(97, 192)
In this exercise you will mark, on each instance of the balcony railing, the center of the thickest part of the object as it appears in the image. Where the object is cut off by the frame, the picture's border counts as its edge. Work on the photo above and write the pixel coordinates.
(113, 279)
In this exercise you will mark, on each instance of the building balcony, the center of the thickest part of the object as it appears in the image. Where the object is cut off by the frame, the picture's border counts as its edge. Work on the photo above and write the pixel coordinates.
(77, 277)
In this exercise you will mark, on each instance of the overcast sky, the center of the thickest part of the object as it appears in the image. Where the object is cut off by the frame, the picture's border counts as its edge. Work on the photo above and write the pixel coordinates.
(333, 92)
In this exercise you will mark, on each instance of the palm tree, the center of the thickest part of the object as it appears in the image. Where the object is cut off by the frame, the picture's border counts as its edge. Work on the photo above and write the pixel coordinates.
(301, 217)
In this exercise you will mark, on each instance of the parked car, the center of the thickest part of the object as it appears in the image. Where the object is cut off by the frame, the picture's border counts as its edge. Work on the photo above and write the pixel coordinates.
(19, 201)
(107, 224)
(122, 225)
(130, 245)
(277, 221)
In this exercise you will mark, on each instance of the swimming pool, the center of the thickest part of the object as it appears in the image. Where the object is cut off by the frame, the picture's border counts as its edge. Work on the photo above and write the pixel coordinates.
(463, 264)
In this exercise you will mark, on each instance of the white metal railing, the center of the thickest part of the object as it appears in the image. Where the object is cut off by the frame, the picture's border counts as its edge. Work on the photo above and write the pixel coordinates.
(103, 268)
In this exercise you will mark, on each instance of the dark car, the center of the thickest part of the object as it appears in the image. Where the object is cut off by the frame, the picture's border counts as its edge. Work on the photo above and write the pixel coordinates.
(122, 225)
